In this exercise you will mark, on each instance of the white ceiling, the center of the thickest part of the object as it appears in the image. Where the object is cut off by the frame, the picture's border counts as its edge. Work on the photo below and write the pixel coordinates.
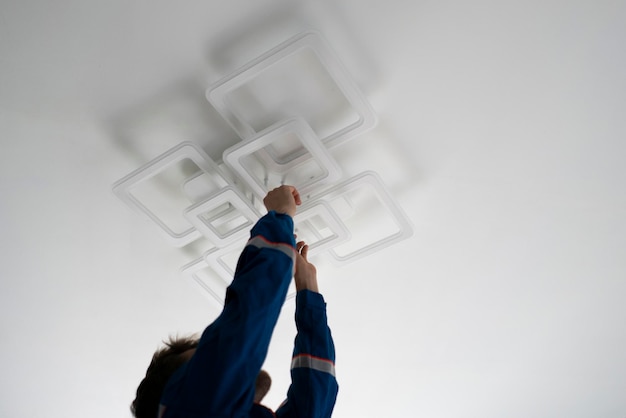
(501, 134)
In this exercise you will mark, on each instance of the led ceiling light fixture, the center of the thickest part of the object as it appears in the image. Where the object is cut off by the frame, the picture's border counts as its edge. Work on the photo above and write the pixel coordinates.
(290, 107)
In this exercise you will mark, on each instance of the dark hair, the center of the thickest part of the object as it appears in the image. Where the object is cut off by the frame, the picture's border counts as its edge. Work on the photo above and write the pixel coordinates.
(164, 363)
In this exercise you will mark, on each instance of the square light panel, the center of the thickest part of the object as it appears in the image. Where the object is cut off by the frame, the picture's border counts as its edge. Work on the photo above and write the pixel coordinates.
(373, 219)
(156, 190)
(288, 152)
(301, 77)
(320, 227)
(223, 217)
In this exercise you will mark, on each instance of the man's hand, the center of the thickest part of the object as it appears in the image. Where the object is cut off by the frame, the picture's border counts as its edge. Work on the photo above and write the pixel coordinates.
(306, 273)
(283, 199)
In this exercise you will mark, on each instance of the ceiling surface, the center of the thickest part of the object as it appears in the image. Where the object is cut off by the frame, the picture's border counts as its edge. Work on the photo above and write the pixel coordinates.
(501, 133)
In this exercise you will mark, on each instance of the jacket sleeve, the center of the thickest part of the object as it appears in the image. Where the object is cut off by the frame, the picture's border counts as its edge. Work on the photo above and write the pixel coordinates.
(314, 388)
(219, 378)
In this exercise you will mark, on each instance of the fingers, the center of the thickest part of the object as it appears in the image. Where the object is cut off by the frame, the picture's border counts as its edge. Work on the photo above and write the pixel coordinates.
(305, 252)
(283, 199)
(296, 195)
(303, 249)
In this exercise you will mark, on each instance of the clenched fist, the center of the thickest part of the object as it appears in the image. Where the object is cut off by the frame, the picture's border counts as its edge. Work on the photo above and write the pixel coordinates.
(283, 199)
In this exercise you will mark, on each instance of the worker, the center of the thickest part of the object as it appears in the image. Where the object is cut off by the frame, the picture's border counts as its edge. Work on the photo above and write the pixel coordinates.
(219, 374)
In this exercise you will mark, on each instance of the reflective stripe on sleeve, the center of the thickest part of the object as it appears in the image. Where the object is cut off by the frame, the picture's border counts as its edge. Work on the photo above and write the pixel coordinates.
(288, 250)
(315, 363)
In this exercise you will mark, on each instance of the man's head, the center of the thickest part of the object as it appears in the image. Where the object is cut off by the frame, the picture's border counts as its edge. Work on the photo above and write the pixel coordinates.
(164, 363)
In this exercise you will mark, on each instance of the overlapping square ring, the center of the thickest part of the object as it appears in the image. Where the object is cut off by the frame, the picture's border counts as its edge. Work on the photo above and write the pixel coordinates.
(185, 150)
(300, 77)
(306, 163)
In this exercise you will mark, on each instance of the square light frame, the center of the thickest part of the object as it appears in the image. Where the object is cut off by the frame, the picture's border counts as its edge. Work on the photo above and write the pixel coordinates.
(241, 207)
(340, 233)
(192, 270)
(218, 92)
(185, 150)
(395, 214)
(312, 150)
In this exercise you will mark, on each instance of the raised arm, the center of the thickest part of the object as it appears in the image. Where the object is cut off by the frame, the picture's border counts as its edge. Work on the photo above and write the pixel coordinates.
(267, 263)
(314, 388)
(219, 378)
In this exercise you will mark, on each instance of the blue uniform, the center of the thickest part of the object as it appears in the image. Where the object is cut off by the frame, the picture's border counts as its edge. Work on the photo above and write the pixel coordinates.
(219, 380)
